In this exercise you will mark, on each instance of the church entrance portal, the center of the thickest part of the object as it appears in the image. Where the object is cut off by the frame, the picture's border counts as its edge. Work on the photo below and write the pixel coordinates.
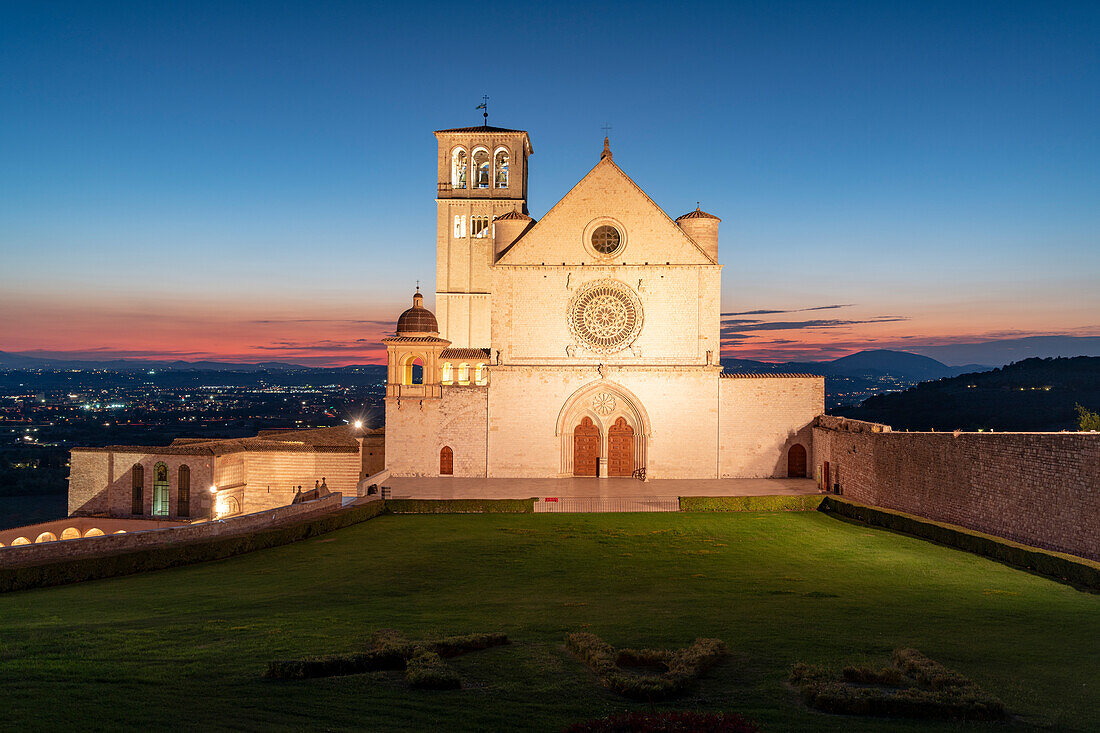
(620, 449)
(586, 449)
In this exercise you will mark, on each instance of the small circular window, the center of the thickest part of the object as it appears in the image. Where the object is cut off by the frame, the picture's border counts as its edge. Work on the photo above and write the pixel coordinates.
(606, 240)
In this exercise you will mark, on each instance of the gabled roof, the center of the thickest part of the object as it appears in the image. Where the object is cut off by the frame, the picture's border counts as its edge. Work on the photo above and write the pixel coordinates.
(606, 162)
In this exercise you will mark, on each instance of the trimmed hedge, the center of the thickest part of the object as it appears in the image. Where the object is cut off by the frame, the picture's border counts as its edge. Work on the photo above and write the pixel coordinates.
(682, 666)
(796, 503)
(76, 570)
(673, 721)
(919, 688)
(422, 661)
(427, 671)
(460, 506)
(1076, 571)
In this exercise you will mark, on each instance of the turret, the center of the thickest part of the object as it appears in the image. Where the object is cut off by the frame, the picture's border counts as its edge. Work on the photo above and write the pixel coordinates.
(507, 229)
(703, 228)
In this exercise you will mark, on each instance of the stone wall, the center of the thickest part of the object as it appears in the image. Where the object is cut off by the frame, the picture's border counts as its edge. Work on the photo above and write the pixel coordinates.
(46, 552)
(416, 431)
(1041, 489)
(761, 418)
(100, 481)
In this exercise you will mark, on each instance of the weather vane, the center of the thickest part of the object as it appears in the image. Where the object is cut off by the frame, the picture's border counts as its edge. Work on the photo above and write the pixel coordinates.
(484, 106)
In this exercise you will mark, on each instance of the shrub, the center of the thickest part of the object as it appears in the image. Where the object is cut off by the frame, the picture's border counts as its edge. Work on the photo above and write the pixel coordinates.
(682, 666)
(666, 722)
(1076, 571)
(887, 676)
(918, 688)
(427, 670)
(452, 646)
(803, 503)
(390, 650)
(460, 506)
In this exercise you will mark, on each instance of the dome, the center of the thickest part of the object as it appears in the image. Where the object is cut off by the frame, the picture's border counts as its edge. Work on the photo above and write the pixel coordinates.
(697, 214)
(417, 319)
(513, 215)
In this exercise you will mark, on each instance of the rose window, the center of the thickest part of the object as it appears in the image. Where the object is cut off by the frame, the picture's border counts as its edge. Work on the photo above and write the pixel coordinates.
(605, 316)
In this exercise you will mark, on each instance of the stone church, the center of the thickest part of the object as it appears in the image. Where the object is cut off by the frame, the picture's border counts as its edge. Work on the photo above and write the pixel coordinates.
(586, 343)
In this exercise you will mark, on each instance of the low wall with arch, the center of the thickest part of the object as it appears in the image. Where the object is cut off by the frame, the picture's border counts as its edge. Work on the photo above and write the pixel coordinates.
(1041, 489)
(123, 535)
(72, 528)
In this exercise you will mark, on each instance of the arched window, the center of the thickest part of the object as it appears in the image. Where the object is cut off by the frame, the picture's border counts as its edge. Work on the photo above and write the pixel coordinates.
(160, 490)
(413, 370)
(20, 541)
(137, 483)
(70, 533)
(448, 373)
(463, 373)
(459, 166)
(94, 532)
(481, 166)
(183, 491)
(502, 168)
(479, 226)
(46, 537)
(481, 374)
(446, 461)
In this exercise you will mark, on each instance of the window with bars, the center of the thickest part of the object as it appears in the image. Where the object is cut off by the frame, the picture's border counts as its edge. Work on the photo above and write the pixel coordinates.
(137, 483)
(183, 492)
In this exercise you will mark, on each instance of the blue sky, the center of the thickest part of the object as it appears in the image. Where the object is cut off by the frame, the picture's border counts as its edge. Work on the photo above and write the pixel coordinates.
(174, 173)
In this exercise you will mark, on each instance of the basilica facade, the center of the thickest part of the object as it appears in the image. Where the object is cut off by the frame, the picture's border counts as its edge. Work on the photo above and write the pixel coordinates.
(586, 343)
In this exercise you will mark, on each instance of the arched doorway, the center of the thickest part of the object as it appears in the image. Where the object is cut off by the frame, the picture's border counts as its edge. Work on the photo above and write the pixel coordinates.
(796, 461)
(446, 461)
(620, 449)
(586, 449)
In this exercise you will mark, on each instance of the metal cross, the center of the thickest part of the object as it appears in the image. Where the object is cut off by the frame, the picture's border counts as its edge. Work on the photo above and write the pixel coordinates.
(606, 130)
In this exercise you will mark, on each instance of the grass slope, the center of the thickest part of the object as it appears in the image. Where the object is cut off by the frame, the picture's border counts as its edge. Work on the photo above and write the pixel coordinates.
(186, 647)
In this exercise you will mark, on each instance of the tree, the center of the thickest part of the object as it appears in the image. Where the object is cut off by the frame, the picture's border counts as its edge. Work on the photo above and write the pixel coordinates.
(1087, 420)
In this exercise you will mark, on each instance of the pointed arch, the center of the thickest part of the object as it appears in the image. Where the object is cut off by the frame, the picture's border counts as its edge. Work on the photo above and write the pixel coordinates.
(605, 403)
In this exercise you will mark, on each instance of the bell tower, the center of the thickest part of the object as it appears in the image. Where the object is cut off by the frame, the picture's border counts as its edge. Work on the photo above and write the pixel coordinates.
(482, 174)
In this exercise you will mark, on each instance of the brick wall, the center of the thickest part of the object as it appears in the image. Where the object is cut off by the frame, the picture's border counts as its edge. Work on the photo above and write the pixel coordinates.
(1041, 489)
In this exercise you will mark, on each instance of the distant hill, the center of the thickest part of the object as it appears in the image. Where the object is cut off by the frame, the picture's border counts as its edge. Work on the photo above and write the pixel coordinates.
(875, 362)
(883, 361)
(1033, 394)
(9, 360)
(1005, 351)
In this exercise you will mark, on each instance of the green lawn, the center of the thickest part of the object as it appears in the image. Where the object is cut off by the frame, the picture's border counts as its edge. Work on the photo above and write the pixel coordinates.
(186, 647)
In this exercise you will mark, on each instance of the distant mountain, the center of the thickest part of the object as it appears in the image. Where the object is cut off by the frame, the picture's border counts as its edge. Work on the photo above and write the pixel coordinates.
(1006, 351)
(1033, 394)
(896, 363)
(873, 362)
(10, 360)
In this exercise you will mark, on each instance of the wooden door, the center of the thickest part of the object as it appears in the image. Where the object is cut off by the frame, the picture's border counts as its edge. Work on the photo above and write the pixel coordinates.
(796, 461)
(446, 461)
(620, 449)
(586, 449)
